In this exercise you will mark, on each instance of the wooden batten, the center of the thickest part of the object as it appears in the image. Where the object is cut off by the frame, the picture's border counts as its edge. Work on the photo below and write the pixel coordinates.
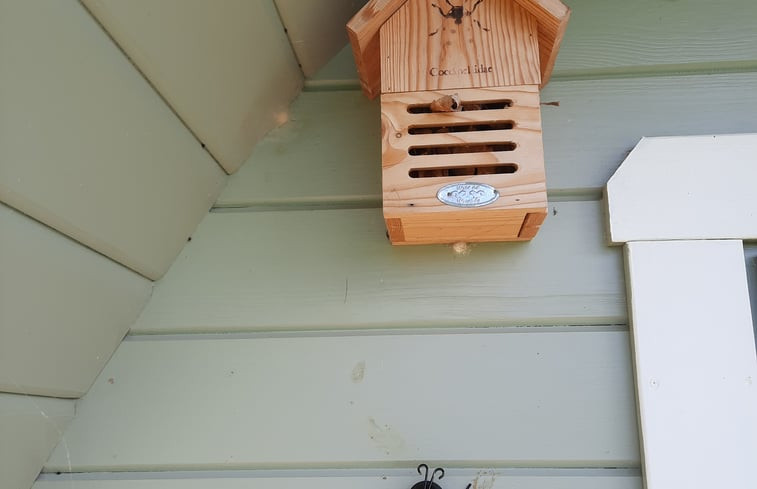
(429, 45)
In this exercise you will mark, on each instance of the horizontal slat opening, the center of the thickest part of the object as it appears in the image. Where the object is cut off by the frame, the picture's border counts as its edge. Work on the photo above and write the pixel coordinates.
(444, 128)
(462, 148)
(460, 171)
(469, 105)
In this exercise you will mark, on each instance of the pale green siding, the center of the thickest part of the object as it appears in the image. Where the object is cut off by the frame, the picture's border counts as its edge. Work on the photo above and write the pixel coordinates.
(30, 427)
(226, 68)
(290, 345)
(87, 146)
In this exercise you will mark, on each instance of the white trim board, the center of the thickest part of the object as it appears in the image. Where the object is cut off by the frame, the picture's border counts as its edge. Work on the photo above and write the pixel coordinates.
(695, 363)
(689, 309)
(697, 187)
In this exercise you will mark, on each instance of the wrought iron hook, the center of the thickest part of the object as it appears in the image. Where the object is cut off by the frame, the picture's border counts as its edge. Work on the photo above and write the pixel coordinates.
(427, 483)
(441, 476)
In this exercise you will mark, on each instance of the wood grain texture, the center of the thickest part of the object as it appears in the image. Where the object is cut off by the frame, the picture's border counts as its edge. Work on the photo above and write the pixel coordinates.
(552, 17)
(341, 272)
(696, 187)
(363, 32)
(531, 224)
(93, 151)
(63, 309)
(493, 479)
(695, 361)
(424, 218)
(364, 27)
(351, 401)
(459, 226)
(644, 36)
(226, 68)
(582, 150)
(316, 29)
(526, 184)
(494, 45)
(30, 427)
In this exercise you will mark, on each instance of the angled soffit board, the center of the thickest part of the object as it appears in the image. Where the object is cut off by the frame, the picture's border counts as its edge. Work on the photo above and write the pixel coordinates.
(682, 205)
(30, 427)
(226, 68)
(88, 147)
(316, 29)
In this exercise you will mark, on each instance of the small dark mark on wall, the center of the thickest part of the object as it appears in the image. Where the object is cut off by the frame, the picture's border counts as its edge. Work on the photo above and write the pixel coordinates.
(556, 103)
(554, 211)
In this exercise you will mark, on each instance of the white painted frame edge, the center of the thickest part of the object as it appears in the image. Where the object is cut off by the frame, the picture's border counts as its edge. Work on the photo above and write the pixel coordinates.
(675, 202)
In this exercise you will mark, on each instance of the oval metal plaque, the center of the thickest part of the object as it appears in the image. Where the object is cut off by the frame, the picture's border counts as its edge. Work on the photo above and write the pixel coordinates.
(467, 194)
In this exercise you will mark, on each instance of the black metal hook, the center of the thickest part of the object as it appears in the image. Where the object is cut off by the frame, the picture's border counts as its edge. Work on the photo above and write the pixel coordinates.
(427, 483)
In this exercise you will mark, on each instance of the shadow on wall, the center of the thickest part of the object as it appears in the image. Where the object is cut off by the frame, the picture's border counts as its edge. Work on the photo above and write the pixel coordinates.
(750, 252)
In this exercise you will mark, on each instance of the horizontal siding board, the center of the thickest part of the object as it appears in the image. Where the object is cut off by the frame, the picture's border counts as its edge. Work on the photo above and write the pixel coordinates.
(625, 36)
(226, 68)
(598, 122)
(330, 153)
(30, 427)
(528, 399)
(88, 147)
(63, 309)
(269, 271)
(650, 32)
(485, 479)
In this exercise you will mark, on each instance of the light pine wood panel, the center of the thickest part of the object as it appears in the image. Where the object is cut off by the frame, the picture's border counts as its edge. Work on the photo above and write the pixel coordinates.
(394, 479)
(88, 147)
(362, 31)
(552, 17)
(316, 29)
(553, 399)
(226, 68)
(331, 152)
(336, 269)
(30, 427)
(423, 50)
(63, 309)
(694, 355)
(636, 36)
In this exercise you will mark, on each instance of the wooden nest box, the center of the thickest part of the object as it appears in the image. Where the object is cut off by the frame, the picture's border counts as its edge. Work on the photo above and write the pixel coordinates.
(462, 152)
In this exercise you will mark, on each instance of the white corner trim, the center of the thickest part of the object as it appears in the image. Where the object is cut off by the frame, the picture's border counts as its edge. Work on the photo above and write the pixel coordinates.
(696, 374)
(675, 201)
(693, 187)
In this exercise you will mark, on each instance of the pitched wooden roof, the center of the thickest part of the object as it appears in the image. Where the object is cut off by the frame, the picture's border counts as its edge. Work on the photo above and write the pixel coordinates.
(363, 30)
